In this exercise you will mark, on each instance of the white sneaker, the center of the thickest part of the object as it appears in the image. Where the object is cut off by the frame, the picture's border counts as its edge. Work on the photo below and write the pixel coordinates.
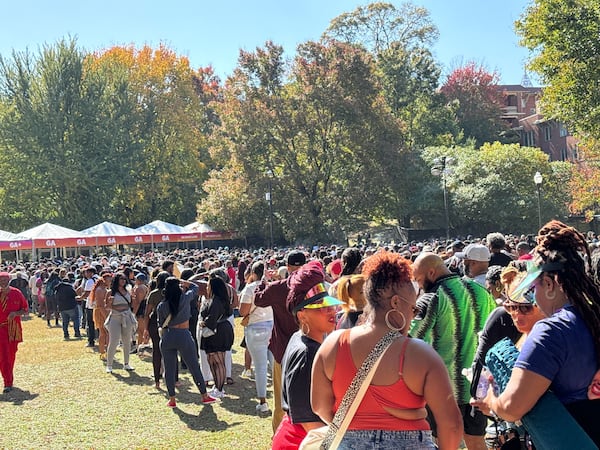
(262, 408)
(215, 393)
(247, 374)
(127, 367)
(108, 369)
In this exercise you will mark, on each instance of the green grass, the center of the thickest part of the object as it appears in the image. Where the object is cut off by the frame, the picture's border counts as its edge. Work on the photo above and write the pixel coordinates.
(63, 399)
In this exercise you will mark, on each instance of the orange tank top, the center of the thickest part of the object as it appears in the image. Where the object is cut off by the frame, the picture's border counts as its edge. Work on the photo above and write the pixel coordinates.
(370, 415)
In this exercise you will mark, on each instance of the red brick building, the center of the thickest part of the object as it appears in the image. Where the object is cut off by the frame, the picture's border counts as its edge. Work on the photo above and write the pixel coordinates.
(521, 111)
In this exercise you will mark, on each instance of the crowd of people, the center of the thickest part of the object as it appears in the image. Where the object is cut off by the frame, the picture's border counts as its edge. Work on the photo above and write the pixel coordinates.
(313, 317)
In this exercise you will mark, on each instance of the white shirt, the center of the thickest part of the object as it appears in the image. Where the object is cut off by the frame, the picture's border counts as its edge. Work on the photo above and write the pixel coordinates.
(257, 314)
(88, 286)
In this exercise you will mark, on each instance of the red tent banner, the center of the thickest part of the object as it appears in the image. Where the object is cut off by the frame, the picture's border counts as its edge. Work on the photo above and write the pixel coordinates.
(24, 244)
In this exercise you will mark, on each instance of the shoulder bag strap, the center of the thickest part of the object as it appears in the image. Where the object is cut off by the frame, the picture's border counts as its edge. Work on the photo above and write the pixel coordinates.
(167, 320)
(356, 391)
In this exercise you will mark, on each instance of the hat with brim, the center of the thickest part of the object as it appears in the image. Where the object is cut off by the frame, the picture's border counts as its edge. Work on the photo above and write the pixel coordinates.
(317, 297)
(307, 289)
(533, 273)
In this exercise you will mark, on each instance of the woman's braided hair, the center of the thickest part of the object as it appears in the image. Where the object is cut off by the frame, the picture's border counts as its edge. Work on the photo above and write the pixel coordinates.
(559, 243)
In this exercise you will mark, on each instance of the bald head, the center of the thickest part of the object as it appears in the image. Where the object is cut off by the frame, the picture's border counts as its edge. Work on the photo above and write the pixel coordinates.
(427, 268)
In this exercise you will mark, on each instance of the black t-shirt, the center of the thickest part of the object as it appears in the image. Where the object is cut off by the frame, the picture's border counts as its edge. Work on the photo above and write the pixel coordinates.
(500, 259)
(65, 296)
(296, 367)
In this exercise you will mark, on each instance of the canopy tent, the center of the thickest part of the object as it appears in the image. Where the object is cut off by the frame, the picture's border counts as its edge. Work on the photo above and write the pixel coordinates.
(11, 241)
(108, 233)
(160, 231)
(198, 227)
(49, 235)
(168, 232)
(160, 227)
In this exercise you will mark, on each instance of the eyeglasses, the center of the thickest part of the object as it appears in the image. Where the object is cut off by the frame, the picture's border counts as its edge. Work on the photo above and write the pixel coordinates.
(522, 308)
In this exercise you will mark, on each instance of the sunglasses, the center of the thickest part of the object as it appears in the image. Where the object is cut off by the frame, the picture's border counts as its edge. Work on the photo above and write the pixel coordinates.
(324, 309)
(522, 308)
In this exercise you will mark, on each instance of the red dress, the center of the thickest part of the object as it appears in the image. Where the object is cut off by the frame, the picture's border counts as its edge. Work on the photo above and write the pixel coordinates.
(11, 300)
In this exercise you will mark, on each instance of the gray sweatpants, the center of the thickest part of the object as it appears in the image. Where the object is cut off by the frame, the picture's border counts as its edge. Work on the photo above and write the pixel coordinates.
(118, 331)
(180, 340)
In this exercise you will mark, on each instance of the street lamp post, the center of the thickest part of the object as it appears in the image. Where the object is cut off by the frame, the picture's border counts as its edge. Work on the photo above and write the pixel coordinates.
(269, 198)
(537, 179)
(440, 169)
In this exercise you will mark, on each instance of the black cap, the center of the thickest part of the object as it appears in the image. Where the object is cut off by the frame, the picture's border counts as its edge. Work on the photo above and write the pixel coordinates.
(295, 258)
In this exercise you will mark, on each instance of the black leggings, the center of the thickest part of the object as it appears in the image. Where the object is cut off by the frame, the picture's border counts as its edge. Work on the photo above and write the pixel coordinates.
(156, 354)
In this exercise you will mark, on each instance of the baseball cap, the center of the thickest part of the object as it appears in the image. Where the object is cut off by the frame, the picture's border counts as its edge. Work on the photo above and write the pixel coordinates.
(295, 258)
(475, 252)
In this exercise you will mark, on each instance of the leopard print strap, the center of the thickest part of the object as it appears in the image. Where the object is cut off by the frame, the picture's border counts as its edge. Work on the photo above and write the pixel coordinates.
(350, 395)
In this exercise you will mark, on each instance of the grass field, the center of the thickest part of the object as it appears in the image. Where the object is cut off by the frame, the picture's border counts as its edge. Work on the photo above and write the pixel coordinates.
(63, 399)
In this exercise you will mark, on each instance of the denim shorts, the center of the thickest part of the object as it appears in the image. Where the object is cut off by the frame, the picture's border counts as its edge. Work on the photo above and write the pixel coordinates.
(384, 440)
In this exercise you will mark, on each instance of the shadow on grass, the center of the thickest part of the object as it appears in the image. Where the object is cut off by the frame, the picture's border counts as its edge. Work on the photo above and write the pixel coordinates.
(132, 378)
(17, 396)
(206, 420)
(241, 397)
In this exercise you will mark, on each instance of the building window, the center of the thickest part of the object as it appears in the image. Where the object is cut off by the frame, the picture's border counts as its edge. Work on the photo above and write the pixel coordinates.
(564, 154)
(562, 130)
(529, 139)
(547, 132)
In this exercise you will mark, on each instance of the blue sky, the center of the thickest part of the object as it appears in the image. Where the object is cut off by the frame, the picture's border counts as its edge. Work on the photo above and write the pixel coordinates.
(213, 32)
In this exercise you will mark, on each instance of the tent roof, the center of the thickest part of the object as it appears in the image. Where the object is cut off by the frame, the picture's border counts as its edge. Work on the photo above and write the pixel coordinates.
(8, 236)
(108, 229)
(198, 227)
(160, 227)
(49, 230)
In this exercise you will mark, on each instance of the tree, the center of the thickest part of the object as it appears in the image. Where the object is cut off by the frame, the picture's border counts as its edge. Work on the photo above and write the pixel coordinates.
(311, 126)
(564, 38)
(492, 188)
(171, 121)
(380, 25)
(57, 137)
(475, 90)
(399, 40)
(232, 203)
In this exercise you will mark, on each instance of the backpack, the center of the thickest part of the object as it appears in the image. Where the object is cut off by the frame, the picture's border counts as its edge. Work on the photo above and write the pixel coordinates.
(50, 286)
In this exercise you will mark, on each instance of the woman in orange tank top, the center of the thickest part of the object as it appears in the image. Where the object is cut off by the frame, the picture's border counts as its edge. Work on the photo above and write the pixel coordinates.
(410, 375)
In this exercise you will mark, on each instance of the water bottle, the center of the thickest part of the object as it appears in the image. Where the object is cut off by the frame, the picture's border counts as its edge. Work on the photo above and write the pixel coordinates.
(483, 384)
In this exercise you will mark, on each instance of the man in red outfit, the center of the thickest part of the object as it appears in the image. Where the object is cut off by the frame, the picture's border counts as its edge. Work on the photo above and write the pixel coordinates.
(12, 306)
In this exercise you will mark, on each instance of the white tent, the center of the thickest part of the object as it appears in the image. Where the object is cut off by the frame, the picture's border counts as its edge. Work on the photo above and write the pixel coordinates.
(50, 231)
(108, 229)
(160, 227)
(48, 235)
(198, 227)
(8, 236)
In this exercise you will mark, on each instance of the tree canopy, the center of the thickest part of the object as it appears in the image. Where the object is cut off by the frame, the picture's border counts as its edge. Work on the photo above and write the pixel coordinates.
(342, 134)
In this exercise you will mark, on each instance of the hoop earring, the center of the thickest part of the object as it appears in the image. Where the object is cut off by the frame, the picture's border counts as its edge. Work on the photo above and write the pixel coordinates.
(387, 320)
(305, 333)
(550, 297)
